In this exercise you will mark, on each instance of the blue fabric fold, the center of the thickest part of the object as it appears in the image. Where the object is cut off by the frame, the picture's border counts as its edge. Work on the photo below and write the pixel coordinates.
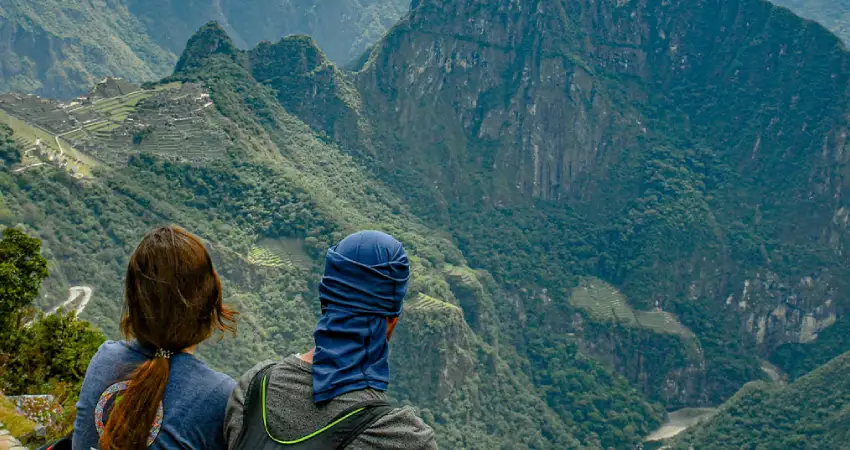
(365, 282)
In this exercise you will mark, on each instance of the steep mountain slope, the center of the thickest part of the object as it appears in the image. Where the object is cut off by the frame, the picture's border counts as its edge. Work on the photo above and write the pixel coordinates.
(689, 153)
(810, 413)
(60, 48)
(833, 14)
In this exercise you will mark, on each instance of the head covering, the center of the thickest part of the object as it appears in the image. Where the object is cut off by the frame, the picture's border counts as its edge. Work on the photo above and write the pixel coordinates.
(364, 283)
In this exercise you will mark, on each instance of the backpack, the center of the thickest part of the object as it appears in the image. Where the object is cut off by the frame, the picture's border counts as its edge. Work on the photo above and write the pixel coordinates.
(61, 444)
(336, 435)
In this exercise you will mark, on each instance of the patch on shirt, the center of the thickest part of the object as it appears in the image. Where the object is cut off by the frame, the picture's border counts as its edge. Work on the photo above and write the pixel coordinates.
(107, 395)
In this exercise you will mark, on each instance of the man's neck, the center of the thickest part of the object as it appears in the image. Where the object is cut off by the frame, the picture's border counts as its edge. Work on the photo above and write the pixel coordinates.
(308, 357)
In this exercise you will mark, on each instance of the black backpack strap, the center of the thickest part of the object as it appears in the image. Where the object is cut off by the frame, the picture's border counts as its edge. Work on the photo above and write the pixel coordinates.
(252, 408)
(356, 425)
(61, 444)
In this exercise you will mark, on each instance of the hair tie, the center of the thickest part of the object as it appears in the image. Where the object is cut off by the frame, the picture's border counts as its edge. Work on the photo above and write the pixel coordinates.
(164, 354)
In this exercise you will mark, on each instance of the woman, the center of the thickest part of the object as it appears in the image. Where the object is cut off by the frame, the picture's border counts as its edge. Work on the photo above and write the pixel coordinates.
(167, 398)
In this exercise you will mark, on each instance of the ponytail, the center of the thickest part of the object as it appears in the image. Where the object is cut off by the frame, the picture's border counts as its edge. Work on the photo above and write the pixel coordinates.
(172, 301)
(131, 418)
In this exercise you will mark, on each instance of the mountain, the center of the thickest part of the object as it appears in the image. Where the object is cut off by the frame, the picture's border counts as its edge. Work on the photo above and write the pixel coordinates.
(688, 154)
(60, 48)
(212, 150)
(813, 412)
(833, 14)
(614, 208)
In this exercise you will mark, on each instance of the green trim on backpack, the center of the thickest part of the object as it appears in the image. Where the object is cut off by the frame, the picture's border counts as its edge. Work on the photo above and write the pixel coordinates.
(309, 436)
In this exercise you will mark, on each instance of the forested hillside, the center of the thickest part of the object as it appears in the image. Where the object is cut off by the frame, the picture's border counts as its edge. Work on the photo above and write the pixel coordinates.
(613, 207)
(813, 412)
(60, 48)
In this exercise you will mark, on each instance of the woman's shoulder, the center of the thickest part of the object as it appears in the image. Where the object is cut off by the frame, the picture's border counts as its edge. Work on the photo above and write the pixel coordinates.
(116, 355)
(113, 347)
(201, 377)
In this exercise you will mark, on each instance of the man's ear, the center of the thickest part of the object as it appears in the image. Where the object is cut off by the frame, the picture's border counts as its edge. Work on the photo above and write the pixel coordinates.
(391, 323)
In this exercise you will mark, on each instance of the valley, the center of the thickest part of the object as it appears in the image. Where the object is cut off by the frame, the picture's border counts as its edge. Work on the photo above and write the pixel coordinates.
(626, 221)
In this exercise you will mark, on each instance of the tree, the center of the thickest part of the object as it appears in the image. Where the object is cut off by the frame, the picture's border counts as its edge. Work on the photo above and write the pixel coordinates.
(9, 151)
(22, 268)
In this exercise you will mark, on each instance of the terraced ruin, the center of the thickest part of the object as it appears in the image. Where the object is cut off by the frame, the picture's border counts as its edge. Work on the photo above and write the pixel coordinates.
(463, 276)
(264, 257)
(424, 302)
(114, 121)
(605, 303)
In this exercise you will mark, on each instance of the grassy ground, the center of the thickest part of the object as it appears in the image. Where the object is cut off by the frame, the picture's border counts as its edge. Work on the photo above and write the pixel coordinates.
(16, 424)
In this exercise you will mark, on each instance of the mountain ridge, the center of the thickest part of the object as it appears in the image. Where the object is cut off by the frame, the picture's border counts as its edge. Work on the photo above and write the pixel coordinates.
(59, 49)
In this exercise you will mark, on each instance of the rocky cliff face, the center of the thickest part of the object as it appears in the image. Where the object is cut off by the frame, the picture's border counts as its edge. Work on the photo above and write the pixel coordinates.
(508, 91)
(684, 140)
(703, 142)
(793, 314)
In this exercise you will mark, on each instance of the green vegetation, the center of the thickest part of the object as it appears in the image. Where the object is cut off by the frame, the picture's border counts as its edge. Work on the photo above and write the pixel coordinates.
(800, 359)
(17, 424)
(9, 149)
(264, 257)
(685, 176)
(21, 270)
(38, 140)
(42, 353)
(810, 413)
(283, 188)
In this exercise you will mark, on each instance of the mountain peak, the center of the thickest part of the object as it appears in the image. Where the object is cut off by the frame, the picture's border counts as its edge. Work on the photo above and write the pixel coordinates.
(209, 40)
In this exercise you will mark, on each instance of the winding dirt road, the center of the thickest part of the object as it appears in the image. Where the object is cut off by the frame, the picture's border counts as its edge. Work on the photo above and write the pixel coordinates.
(73, 294)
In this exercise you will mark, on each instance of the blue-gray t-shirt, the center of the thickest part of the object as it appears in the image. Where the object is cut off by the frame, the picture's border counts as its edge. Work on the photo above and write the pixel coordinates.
(192, 410)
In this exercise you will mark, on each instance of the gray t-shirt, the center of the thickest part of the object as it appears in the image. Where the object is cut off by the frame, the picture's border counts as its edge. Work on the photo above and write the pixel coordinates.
(292, 413)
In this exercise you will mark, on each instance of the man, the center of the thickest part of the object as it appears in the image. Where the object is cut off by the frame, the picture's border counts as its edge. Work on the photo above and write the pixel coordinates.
(333, 396)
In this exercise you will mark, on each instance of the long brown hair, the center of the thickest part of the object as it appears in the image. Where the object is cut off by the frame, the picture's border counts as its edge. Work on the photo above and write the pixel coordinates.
(172, 301)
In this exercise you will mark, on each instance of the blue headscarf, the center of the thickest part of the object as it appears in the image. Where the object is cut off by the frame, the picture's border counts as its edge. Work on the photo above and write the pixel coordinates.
(365, 282)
